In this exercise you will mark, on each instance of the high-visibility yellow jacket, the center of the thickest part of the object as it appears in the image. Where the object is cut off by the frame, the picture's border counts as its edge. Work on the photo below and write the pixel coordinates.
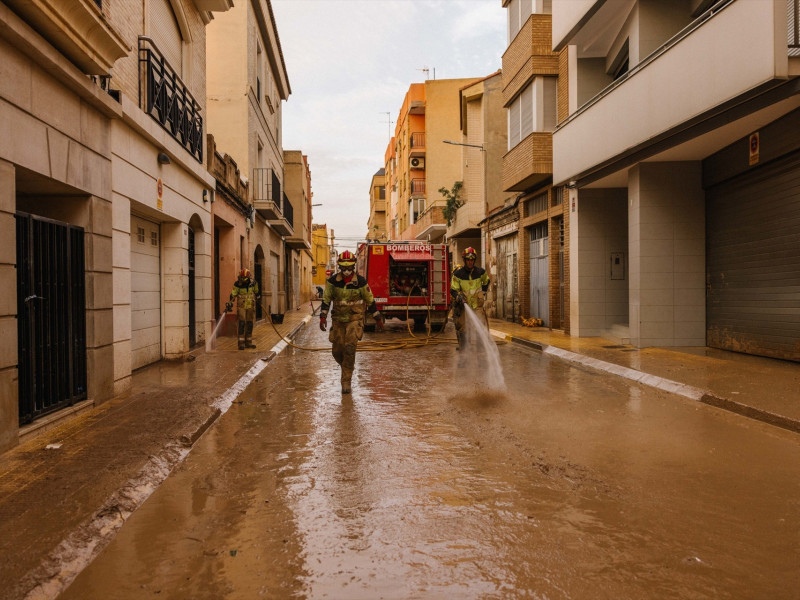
(350, 299)
(245, 293)
(472, 283)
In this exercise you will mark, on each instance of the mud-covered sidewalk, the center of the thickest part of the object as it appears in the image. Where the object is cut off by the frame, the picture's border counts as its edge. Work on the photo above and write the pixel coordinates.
(65, 492)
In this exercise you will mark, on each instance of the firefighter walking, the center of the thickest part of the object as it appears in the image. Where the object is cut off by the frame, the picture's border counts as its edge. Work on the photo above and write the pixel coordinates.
(245, 291)
(348, 297)
(468, 286)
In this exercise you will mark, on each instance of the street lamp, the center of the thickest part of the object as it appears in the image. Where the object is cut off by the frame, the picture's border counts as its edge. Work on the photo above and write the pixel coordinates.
(479, 146)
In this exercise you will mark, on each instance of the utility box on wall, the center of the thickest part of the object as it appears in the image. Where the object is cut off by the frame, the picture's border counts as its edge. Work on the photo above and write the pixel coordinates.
(617, 265)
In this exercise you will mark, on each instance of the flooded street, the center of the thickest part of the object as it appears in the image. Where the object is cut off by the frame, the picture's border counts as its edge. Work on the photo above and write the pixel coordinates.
(426, 483)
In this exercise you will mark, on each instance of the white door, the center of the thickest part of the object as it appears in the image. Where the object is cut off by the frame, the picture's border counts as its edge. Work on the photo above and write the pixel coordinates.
(145, 292)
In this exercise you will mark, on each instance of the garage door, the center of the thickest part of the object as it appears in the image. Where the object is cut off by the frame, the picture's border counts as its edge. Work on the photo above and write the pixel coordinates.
(145, 292)
(753, 262)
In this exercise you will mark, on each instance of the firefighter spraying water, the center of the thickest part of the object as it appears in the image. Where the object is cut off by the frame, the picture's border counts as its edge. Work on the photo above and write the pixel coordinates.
(468, 288)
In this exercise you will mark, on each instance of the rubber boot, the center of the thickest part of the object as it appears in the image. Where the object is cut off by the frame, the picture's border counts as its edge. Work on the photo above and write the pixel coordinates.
(248, 335)
(346, 378)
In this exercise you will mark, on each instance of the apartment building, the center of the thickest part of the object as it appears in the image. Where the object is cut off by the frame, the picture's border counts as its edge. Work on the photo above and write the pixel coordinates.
(428, 116)
(105, 196)
(682, 158)
(231, 211)
(392, 193)
(298, 193)
(247, 83)
(529, 229)
(377, 223)
(482, 143)
(321, 251)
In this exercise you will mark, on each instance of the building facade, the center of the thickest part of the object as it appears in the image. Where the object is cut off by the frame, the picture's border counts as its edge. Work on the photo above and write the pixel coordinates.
(377, 223)
(298, 192)
(684, 208)
(106, 198)
(531, 230)
(422, 163)
(247, 84)
(482, 143)
(321, 254)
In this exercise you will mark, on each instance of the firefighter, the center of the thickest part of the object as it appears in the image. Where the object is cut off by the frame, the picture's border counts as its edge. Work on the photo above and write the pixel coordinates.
(351, 297)
(468, 286)
(245, 290)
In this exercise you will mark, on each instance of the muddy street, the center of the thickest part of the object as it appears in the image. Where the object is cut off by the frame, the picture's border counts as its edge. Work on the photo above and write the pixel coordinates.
(426, 483)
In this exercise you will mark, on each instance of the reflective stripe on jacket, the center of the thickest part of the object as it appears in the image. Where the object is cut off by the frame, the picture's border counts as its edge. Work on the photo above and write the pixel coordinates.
(471, 283)
(245, 294)
(350, 300)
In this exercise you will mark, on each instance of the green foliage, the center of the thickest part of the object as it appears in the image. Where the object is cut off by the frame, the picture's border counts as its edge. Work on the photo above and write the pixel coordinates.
(453, 202)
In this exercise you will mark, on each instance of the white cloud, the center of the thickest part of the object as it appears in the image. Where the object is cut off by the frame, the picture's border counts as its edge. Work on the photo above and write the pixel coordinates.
(350, 61)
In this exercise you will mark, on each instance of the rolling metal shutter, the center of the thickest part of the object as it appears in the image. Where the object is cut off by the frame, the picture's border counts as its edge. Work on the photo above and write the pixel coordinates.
(753, 261)
(163, 28)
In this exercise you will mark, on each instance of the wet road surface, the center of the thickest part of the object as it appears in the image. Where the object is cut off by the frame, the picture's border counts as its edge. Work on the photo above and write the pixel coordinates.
(423, 484)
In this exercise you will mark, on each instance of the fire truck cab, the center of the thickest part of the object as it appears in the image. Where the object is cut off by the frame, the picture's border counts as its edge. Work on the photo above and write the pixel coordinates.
(410, 280)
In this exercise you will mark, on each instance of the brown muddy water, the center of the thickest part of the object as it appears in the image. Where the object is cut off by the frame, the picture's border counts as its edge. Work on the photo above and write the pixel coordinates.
(427, 484)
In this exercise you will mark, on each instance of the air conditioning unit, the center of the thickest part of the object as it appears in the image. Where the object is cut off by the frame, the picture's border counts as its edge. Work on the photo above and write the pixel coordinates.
(417, 163)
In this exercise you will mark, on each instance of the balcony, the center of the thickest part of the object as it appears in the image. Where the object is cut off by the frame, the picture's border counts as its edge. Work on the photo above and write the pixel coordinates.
(417, 144)
(466, 220)
(267, 194)
(166, 98)
(418, 186)
(528, 163)
(529, 54)
(283, 224)
(699, 73)
(78, 29)
(379, 206)
(431, 224)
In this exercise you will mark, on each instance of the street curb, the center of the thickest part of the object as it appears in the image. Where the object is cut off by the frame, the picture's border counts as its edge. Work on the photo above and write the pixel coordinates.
(661, 383)
(60, 567)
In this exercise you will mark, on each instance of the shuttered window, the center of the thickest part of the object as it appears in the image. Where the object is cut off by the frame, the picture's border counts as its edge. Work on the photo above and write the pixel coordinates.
(163, 28)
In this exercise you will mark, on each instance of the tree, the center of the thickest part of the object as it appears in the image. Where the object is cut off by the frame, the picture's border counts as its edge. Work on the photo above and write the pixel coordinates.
(452, 201)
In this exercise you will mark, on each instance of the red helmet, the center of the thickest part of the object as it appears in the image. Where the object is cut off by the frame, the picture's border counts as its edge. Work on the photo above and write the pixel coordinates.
(244, 273)
(347, 259)
(469, 254)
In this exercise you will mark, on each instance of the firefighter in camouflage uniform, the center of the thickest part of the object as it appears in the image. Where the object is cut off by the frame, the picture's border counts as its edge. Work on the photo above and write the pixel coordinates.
(348, 297)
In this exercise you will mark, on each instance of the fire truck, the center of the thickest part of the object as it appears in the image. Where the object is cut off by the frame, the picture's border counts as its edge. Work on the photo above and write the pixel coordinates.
(410, 280)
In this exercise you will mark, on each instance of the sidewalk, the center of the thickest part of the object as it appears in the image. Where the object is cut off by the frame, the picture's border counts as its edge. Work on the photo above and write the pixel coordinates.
(764, 389)
(74, 485)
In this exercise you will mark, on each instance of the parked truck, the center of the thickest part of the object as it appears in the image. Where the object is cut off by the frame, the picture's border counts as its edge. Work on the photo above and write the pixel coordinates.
(410, 280)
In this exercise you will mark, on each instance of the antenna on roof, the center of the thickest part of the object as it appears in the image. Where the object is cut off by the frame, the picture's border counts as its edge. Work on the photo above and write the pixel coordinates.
(427, 72)
(389, 117)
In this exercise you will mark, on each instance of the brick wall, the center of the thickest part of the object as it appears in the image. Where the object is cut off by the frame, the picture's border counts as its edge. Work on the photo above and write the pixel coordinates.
(529, 55)
(563, 85)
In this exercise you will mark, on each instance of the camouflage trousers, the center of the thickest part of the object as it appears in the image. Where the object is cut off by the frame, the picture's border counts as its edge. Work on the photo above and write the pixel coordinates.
(344, 337)
(246, 318)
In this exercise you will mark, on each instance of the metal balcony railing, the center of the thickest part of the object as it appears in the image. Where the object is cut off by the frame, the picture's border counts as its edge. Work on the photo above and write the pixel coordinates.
(418, 140)
(267, 187)
(164, 96)
(793, 15)
(288, 211)
(417, 186)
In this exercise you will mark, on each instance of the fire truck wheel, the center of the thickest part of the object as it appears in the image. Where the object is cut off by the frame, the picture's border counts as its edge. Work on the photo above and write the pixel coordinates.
(419, 322)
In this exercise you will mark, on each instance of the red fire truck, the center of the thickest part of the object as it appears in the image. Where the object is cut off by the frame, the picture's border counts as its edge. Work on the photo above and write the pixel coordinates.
(410, 280)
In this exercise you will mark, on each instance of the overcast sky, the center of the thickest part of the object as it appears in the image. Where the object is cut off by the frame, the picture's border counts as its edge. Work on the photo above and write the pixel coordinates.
(349, 63)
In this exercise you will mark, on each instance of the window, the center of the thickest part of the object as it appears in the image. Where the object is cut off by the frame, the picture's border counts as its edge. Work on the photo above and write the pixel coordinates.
(140, 235)
(533, 110)
(536, 204)
(416, 206)
(154, 238)
(520, 10)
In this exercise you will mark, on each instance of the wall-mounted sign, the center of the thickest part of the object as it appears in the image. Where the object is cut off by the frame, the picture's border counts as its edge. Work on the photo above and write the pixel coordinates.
(160, 192)
(753, 148)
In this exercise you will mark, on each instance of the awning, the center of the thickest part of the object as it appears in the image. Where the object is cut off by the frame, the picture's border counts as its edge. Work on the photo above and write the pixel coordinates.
(399, 255)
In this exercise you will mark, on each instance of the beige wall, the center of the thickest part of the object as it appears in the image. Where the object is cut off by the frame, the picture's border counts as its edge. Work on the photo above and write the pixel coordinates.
(667, 254)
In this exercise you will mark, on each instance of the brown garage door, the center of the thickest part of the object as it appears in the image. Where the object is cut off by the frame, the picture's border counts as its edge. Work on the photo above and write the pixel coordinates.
(753, 261)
